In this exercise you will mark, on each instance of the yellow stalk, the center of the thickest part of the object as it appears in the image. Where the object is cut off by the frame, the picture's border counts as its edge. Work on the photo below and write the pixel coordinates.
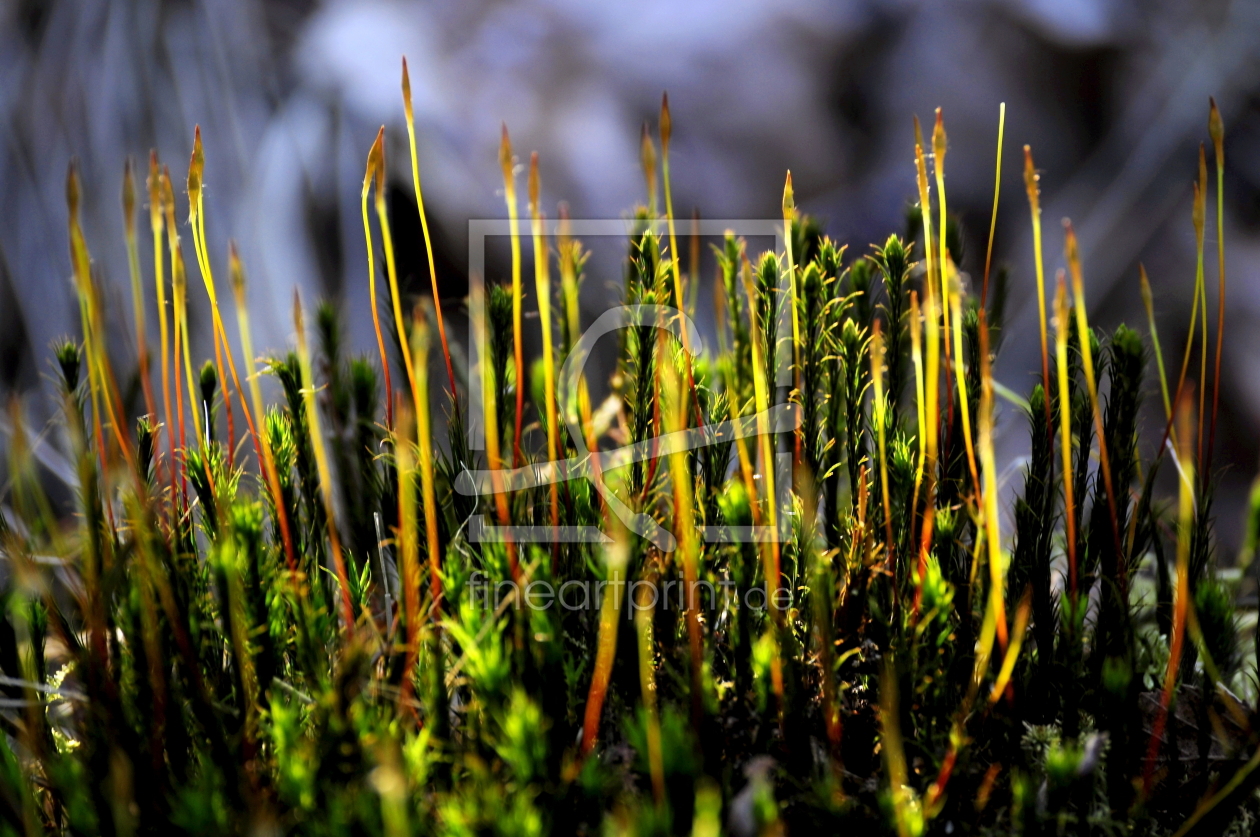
(684, 523)
(679, 293)
(1197, 218)
(197, 221)
(939, 147)
(789, 215)
(374, 163)
(960, 373)
(137, 295)
(507, 163)
(906, 810)
(693, 264)
(644, 614)
(570, 256)
(1091, 384)
(769, 551)
(409, 547)
(932, 377)
(424, 438)
(1034, 204)
(1159, 355)
(179, 302)
(1201, 291)
(930, 315)
(159, 281)
(321, 461)
(916, 357)
(988, 464)
(1012, 652)
(1061, 328)
(424, 227)
(207, 275)
(179, 386)
(878, 415)
(179, 285)
(237, 275)
(391, 267)
(666, 133)
(994, 623)
(1216, 129)
(997, 191)
(542, 285)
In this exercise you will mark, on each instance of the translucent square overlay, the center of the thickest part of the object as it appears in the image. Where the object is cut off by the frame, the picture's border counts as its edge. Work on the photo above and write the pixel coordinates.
(779, 419)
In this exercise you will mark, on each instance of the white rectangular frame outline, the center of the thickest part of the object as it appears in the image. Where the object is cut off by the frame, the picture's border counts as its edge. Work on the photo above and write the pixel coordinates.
(481, 228)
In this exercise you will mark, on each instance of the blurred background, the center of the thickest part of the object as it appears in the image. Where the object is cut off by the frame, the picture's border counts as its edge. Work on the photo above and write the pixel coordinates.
(1112, 96)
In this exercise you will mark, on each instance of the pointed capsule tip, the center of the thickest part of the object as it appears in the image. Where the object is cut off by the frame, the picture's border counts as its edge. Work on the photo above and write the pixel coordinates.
(72, 188)
(938, 138)
(406, 91)
(667, 123)
(505, 154)
(235, 272)
(1216, 129)
(533, 179)
(129, 194)
(297, 317)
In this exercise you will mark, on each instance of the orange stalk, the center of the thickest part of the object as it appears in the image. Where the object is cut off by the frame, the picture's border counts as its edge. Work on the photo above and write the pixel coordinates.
(685, 526)
(490, 420)
(1181, 605)
(617, 555)
(137, 295)
(424, 227)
